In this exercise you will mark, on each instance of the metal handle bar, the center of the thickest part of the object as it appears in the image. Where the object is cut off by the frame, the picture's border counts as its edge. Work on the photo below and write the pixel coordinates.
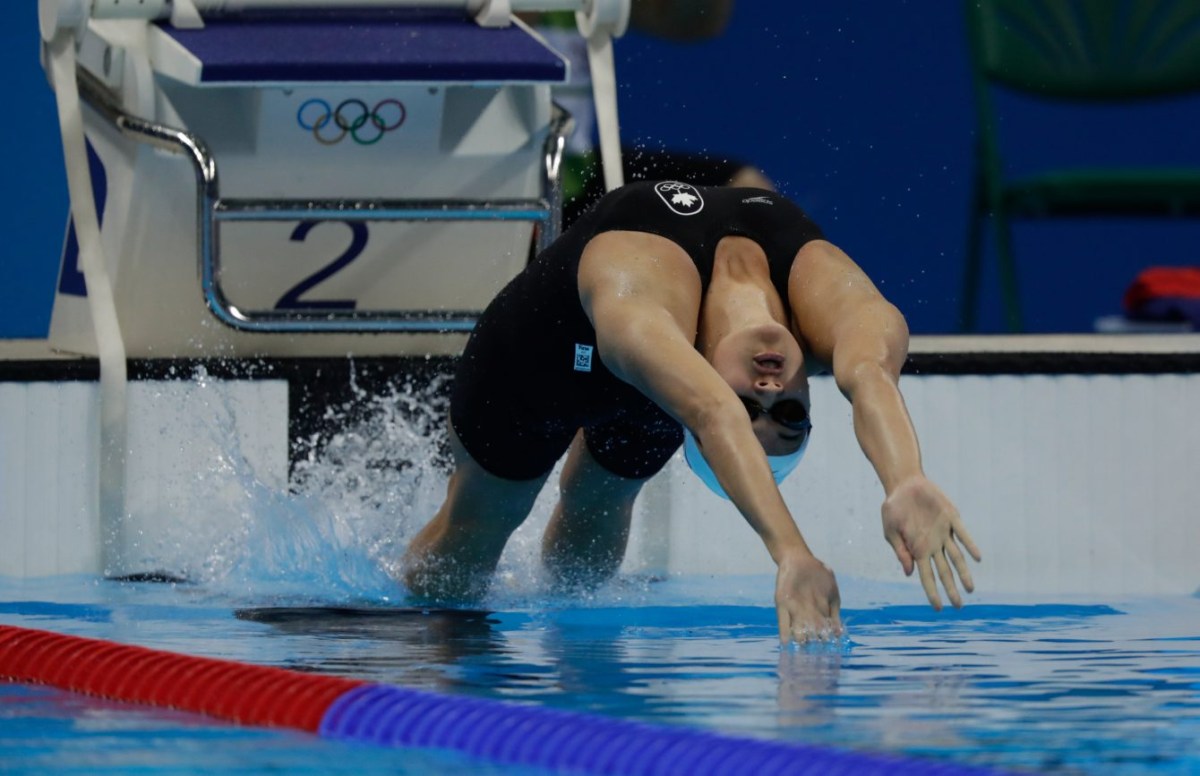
(212, 210)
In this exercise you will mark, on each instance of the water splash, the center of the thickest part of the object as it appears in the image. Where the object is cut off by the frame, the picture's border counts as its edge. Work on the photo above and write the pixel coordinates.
(361, 484)
(335, 531)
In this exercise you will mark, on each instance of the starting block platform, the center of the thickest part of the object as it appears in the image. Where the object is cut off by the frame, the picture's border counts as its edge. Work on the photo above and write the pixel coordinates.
(292, 182)
(312, 183)
(409, 45)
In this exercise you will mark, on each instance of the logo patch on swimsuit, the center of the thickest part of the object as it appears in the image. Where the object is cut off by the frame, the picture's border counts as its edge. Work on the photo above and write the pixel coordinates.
(757, 201)
(583, 358)
(683, 198)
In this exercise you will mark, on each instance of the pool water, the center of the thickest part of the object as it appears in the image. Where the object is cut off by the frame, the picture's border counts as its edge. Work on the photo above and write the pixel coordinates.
(43, 730)
(1063, 686)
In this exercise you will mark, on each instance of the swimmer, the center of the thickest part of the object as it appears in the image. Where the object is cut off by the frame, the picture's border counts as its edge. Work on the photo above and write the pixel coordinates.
(671, 315)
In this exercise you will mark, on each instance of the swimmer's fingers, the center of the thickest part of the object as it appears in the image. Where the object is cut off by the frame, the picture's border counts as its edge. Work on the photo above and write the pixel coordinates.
(960, 566)
(925, 570)
(806, 626)
(947, 577)
(964, 538)
(902, 554)
(831, 615)
(822, 621)
(806, 599)
(824, 629)
(785, 624)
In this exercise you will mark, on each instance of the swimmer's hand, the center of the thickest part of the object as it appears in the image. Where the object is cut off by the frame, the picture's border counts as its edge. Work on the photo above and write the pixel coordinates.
(925, 530)
(806, 599)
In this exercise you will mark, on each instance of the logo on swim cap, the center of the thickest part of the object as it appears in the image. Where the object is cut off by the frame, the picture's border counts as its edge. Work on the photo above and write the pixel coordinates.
(682, 198)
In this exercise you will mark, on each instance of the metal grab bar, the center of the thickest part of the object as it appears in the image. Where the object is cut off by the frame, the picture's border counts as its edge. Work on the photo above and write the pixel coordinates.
(545, 212)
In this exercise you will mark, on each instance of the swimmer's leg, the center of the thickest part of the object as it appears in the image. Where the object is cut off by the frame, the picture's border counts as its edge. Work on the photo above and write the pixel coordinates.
(453, 557)
(585, 540)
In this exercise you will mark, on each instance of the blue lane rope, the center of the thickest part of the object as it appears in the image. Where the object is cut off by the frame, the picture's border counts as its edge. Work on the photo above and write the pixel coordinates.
(565, 741)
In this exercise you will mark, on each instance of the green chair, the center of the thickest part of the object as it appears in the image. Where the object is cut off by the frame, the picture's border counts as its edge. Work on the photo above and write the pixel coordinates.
(1084, 52)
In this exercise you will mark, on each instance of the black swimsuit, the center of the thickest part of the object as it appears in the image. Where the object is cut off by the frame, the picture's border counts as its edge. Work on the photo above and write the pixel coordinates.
(531, 376)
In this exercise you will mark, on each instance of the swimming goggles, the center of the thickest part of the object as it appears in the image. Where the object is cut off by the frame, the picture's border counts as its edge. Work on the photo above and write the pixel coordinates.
(789, 413)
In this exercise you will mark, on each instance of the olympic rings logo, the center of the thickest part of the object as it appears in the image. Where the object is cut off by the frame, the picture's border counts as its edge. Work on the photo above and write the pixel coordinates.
(366, 126)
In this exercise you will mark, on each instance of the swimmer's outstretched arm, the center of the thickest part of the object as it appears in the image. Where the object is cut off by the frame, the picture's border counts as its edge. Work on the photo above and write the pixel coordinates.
(849, 325)
(643, 297)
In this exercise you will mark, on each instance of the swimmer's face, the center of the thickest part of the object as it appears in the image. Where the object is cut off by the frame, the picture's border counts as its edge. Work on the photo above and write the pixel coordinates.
(765, 367)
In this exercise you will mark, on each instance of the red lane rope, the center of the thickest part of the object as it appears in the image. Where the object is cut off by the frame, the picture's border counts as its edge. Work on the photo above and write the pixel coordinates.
(248, 694)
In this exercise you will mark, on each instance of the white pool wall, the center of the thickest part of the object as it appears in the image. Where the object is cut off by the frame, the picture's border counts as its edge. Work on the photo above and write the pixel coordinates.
(1072, 484)
(191, 444)
(1069, 484)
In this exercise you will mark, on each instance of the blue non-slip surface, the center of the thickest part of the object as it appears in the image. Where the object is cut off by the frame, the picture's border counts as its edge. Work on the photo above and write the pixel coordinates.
(398, 46)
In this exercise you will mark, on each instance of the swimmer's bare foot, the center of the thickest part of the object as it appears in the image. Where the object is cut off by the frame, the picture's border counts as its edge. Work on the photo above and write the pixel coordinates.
(443, 581)
(570, 575)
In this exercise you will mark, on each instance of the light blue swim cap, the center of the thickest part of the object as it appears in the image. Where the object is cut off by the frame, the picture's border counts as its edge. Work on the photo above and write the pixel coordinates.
(781, 465)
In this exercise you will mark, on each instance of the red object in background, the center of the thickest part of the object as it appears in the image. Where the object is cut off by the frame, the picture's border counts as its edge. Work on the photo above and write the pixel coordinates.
(1164, 294)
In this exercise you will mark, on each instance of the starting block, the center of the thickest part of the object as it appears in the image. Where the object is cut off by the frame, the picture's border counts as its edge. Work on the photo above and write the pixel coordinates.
(294, 180)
